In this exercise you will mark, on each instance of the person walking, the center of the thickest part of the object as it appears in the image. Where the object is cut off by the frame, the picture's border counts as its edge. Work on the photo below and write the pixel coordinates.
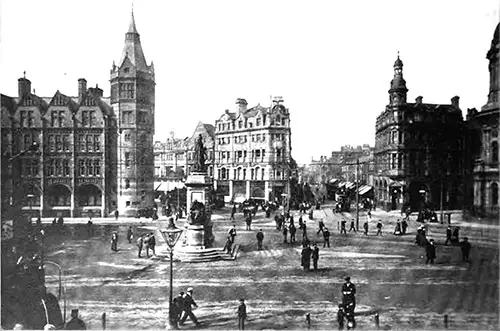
(116, 214)
(140, 245)
(379, 228)
(114, 241)
(430, 251)
(188, 311)
(228, 245)
(448, 235)
(285, 232)
(315, 256)
(465, 246)
(242, 314)
(349, 292)
(456, 236)
(232, 233)
(260, 238)
(321, 225)
(130, 234)
(178, 307)
(145, 240)
(304, 231)
(365, 227)
(342, 227)
(306, 257)
(293, 230)
(353, 226)
(404, 226)
(233, 211)
(326, 238)
(249, 221)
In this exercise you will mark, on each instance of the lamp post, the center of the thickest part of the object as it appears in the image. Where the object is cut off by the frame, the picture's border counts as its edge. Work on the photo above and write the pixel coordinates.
(171, 235)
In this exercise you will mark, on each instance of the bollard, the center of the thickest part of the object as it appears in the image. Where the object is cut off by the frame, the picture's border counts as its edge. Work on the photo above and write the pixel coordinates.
(445, 321)
(104, 321)
(377, 321)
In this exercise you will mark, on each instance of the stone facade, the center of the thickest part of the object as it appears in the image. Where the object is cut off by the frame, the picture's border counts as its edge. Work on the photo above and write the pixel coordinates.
(418, 151)
(482, 146)
(253, 152)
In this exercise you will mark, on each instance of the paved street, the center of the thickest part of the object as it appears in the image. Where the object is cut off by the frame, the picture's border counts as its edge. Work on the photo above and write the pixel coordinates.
(389, 271)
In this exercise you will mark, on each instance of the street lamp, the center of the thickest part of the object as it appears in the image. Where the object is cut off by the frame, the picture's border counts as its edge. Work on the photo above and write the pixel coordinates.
(171, 235)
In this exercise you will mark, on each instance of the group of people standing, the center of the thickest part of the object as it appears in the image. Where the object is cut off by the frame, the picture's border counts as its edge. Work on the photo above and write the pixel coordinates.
(308, 253)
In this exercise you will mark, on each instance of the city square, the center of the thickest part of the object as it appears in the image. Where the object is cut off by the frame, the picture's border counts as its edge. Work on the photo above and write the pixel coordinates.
(318, 190)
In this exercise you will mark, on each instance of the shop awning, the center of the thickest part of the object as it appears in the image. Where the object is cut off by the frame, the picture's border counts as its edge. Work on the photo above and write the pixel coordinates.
(168, 186)
(333, 181)
(349, 185)
(395, 183)
(364, 189)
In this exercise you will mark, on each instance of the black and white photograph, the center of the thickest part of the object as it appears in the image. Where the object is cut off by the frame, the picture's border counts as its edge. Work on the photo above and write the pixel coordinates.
(258, 165)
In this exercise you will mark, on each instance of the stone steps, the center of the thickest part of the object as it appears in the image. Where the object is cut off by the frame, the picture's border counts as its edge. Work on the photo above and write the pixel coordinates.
(203, 255)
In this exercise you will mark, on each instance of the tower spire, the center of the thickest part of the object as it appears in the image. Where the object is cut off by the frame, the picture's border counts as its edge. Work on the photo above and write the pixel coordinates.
(132, 28)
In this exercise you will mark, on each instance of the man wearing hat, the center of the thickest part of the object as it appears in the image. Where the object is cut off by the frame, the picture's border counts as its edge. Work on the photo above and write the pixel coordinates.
(75, 323)
(114, 241)
(448, 235)
(465, 247)
(260, 238)
(430, 251)
(349, 292)
(178, 306)
(242, 314)
(188, 302)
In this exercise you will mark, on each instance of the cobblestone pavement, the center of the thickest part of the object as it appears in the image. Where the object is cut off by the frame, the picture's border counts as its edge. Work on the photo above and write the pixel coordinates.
(389, 271)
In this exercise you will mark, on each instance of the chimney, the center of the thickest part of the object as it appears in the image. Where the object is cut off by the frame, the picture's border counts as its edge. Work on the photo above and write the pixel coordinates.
(455, 101)
(96, 91)
(242, 104)
(418, 100)
(82, 88)
(24, 87)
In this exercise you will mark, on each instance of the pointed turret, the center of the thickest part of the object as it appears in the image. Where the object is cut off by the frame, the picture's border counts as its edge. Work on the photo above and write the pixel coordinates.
(133, 48)
(397, 93)
(132, 28)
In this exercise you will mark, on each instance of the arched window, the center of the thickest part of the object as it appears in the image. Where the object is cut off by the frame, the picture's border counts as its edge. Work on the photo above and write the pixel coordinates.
(494, 194)
(494, 152)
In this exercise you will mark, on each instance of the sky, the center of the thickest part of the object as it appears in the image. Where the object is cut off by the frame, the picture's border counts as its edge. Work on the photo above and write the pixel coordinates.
(330, 61)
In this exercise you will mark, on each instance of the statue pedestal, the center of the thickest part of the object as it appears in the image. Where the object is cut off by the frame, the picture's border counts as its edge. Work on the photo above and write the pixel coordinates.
(194, 236)
(197, 184)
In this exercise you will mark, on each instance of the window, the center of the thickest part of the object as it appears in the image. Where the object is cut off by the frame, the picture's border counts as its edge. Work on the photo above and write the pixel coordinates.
(283, 121)
(97, 168)
(30, 119)
(393, 161)
(93, 120)
(59, 168)
(66, 142)
(52, 143)
(127, 136)
(65, 167)
(34, 167)
(252, 173)
(61, 118)
(127, 159)
(257, 122)
(240, 124)
(278, 153)
(97, 143)
(81, 142)
(127, 117)
(126, 70)
(244, 173)
(494, 152)
(85, 118)
(127, 203)
(494, 194)
(50, 168)
(89, 168)
(89, 143)
(127, 183)
(22, 118)
(82, 167)
(142, 117)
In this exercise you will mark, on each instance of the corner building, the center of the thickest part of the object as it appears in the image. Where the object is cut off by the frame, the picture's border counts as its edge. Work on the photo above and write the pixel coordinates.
(418, 152)
(253, 152)
(133, 101)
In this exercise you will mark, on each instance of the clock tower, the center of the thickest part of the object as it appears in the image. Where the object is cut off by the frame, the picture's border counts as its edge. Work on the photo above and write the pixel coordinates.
(397, 93)
(133, 101)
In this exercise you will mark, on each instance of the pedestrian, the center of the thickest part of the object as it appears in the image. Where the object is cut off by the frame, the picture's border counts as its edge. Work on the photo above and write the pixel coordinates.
(90, 229)
(397, 229)
(465, 246)
(340, 316)
(242, 314)
(178, 307)
(326, 238)
(116, 214)
(114, 241)
(306, 257)
(430, 251)
(448, 235)
(304, 231)
(75, 323)
(301, 222)
(228, 245)
(260, 238)
(140, 244)
(379, 227)
(152, 242)
(145, 240)
(188, 304)
(456, 238)
(342, 226)
(130, 234)
(315, 256)
(365, 227)
(311, 214)
(321, 225)
(353, 226)
(249, 221)
(233, 211)
(293, 230)
(285, 232)
(232, 233)
(404, 226)
(349, 292)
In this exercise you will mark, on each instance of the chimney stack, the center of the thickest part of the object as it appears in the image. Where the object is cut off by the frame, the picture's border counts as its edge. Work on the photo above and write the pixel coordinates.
(82, 88)
(455, 101)
(242, 104)
(418, 100)
(24, 87)
(96, 91)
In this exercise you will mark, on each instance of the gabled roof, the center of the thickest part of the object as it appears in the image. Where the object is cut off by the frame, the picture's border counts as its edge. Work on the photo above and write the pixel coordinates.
(35, 100)
(60, 99)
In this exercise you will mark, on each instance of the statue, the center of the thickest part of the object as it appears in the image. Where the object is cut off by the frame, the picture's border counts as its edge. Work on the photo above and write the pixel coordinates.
(199, 155)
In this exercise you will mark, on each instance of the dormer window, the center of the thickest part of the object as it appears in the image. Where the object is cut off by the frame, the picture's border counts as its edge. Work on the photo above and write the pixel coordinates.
(126, 70)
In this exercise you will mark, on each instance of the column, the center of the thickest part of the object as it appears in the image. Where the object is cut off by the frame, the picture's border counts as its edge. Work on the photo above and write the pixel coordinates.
(103, 204)
(266, 190)
(231, 191)
(72, 210)
(247, 189)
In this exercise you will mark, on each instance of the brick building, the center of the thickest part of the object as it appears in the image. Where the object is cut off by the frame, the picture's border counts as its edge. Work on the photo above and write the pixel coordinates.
(253, 152)
(418, 151)
(482, 145)
(95, 154)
